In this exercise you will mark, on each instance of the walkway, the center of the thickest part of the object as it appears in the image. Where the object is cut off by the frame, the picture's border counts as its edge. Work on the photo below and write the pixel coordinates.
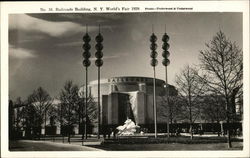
(30, 145)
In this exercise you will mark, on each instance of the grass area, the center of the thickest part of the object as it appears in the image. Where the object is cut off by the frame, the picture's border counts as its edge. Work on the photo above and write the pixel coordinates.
(169, 147)
(129, 143)
(160, 140)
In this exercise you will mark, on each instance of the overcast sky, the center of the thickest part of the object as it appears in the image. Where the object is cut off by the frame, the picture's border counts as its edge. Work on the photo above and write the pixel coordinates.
(46, 49)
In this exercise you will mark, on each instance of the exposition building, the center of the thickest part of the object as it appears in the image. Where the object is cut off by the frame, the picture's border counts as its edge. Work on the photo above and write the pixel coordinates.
(120, 98)
(130, 97)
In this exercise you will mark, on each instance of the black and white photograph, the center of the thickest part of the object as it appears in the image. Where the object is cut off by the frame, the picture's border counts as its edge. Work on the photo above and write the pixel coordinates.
(126, 81)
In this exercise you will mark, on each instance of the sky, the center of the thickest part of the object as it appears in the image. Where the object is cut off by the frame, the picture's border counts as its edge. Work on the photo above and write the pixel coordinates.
(46, 49)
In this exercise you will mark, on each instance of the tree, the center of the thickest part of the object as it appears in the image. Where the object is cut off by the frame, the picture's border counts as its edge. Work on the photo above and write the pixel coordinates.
(31, 121)
(213, 109)
(190, 88)
(223, 62)
(11, 120)
(69, 106)
(18, 104)
(174, 109)
(18, 116)
(91, 117)
(53, 114)
(92, 111)
(41, 101)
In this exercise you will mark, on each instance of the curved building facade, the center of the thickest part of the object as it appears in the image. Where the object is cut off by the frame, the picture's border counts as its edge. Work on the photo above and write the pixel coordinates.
(127, 84)
(129, 97)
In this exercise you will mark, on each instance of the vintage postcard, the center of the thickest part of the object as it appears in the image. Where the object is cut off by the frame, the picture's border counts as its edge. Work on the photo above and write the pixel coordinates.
(125, 79)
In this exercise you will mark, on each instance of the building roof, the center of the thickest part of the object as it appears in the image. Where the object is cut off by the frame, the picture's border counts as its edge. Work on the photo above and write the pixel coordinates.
(124, 79)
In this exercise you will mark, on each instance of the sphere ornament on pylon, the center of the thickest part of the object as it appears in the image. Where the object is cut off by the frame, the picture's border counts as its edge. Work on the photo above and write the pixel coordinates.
(165, 47)
(153, 47)
(86, 47)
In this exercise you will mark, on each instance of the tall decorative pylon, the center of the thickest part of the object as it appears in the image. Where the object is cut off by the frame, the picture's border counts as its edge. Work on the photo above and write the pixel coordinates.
(154, 62)
(98, 63)
(166, 62)
(86, 63)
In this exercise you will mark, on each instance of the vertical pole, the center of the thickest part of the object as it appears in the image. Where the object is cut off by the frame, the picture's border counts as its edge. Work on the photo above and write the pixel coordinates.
(154, 103)
(82, 123)
(154, 62)
(166, 62)
(221, 128)
(86, 64)
(44, 122)
(98, 63)
(98, 110)
(167, 94)
(61, 131)
(86, 103)
(200, 119)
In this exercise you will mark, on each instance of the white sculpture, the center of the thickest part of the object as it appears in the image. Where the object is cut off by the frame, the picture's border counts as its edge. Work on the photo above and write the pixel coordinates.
(129, 128)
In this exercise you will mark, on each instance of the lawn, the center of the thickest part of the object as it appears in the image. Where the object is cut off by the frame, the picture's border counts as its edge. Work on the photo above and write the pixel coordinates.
(169, 147)
(131, 143)
(165, 140)
(168, 144)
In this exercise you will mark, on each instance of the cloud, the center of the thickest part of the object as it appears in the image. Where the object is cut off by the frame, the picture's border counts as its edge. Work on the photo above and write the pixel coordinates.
(66, 44)
(26, 23)
(83, 19)
(21, 53)
(111, 56)
(120, 55)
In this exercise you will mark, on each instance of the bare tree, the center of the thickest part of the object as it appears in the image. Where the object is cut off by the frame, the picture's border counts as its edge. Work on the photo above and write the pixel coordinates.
(11, 119)
(69, 106)
(92, 111)
(190, 88)
(53, 114)
(213, 109)
(41, 101)
(223, 62)
(91, 117)
(174, 109)
(18, 105)
(31, 120)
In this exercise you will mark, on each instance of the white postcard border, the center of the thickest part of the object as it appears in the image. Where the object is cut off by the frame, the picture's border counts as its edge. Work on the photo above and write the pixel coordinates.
(197, 6)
